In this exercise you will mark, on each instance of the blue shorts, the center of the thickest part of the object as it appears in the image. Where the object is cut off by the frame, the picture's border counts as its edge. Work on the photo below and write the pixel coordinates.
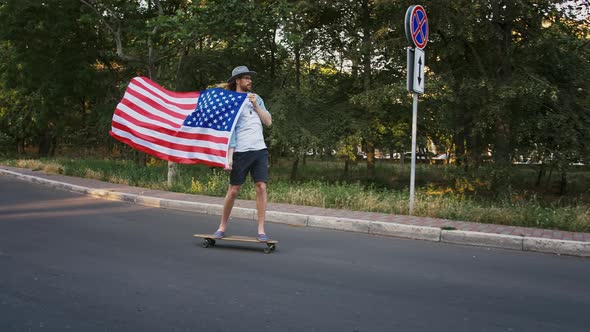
(253, 162)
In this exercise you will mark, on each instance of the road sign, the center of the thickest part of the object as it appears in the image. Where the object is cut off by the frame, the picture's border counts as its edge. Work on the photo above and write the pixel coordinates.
(416, 25)
(418, 75)
(415, 76)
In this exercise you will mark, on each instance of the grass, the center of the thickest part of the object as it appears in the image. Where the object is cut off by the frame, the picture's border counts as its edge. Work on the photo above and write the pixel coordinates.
(442, 191)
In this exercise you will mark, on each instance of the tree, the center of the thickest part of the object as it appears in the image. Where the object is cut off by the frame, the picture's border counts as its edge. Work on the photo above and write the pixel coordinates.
(51, 57)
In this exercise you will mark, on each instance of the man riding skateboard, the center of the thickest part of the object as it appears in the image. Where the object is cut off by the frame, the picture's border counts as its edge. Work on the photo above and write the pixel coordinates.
(250, 153)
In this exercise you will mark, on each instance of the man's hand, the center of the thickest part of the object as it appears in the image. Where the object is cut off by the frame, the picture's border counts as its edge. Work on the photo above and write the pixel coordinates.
(264, 116)
(228, 167)
(253, 99)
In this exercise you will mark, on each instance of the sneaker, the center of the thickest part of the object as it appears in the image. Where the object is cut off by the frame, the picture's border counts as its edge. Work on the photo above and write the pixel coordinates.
(263, 237)
(218, 235)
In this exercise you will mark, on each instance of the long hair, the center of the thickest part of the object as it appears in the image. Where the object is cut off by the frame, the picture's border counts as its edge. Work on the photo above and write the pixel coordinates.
(232, 85)
(225, 85)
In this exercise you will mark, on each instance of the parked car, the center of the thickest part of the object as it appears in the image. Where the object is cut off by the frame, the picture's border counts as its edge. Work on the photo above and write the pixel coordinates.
(420, 157)
(440, 159)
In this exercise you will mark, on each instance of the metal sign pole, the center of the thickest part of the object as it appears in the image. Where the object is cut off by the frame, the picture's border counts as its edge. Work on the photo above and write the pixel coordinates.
(414, 134)
(416, 27)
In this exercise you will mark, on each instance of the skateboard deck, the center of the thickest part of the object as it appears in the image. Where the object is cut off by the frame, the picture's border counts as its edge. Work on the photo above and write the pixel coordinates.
(209, 241)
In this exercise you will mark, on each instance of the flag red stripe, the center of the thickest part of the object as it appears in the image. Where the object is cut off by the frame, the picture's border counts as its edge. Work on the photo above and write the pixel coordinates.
(192, 95)
(163, 155)
(147, 114)
(151, 119)
(171, 145)
(157, 106)
(155, 95)
(179, 134)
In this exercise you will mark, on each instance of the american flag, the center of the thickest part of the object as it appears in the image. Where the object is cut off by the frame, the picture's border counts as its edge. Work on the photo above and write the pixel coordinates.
(183, 127)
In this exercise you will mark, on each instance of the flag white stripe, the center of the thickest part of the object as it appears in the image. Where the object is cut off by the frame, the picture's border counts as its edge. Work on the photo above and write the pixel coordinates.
(184, 129)
(123, 108)
(163, 104)
(206, 131)
(186, 101)
(153, 121)
(167, 138)
(169, 151)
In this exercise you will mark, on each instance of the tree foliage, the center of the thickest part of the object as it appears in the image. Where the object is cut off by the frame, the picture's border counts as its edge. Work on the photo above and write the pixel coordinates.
(508, 78)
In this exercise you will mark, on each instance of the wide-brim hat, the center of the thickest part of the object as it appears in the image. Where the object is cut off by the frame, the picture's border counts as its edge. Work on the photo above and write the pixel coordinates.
(239, 71)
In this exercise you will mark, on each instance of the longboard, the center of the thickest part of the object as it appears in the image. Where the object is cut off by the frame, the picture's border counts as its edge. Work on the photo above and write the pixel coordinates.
(209, 241)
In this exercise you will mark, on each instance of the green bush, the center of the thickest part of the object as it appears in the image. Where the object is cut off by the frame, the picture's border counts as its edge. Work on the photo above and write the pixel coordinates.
(7, 144)
(446, 192)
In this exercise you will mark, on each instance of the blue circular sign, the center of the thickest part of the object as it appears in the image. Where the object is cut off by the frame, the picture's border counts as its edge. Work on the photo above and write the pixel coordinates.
(416, 26)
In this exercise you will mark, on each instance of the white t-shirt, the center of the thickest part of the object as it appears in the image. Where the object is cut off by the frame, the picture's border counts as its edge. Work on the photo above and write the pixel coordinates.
(248, 135)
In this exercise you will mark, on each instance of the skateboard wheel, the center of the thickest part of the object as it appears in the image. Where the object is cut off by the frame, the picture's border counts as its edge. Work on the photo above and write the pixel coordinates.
(208, 243)
(270, 248)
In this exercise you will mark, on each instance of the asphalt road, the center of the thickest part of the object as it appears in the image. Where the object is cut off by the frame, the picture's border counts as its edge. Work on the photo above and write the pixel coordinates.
(74, 263)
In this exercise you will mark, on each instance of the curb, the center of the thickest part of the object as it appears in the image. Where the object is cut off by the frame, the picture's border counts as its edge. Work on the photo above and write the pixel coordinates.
(406, 231)
(434, 234)
(483, 239)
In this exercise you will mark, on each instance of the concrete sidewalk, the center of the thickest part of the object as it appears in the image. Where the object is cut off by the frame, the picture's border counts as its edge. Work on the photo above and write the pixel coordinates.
(421, 228)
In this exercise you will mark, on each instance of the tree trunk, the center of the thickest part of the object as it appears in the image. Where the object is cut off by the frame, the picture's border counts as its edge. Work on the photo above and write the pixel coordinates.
(139, 157)
(45, 143)
(469, 145)
(273, 47)
(366, 45)
(476, 151)
(366, 61)
(53, 146)
(501, 178)
(294, 169)
(459, 141)
(427, 157)
(20, 146)
(172, 173)
(540, 175)
(548, 183)
(502, 148)
(355, 69)
(297, 67)
(502, 145)
(563, 183)
(370, 160)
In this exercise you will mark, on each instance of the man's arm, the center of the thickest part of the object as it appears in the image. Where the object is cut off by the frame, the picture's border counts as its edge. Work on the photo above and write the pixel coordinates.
(233, 142)
(259, 107)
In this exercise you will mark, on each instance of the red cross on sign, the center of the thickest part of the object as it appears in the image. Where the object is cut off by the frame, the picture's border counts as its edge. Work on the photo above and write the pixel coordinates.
(417, 26)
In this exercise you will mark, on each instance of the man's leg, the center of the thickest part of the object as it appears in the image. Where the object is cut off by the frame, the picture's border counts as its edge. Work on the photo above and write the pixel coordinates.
(236, 179)
(260, 175)
(228, 204)
(261, 205)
